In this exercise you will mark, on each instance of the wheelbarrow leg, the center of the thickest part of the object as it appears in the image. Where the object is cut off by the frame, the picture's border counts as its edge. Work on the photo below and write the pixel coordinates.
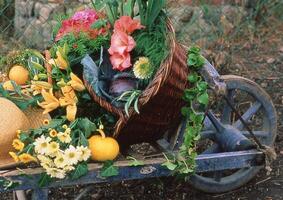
(40, 194)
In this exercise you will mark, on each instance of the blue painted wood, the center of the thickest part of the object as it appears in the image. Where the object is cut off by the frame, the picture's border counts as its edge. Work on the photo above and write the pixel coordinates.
(153, 168)
(40, 194)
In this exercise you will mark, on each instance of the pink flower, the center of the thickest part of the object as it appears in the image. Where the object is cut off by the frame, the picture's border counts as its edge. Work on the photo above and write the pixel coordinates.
(127, 24)
(81, 22)
(121, 61)
(121, 42)
(85, 15)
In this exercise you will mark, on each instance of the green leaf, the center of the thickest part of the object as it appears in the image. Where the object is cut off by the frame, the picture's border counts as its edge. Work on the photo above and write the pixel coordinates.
(203, 99)
(86, 126)
(134, 162)
(193, 78)
(83, 140)
(109, 169)
(17, 88)
(81, 170)
(99, 24)
(44, 180)
(171, 166)
(202, 86)
(194, 50)
(8, 184)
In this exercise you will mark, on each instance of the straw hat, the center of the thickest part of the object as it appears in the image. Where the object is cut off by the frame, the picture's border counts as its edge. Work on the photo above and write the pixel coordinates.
(11, 120)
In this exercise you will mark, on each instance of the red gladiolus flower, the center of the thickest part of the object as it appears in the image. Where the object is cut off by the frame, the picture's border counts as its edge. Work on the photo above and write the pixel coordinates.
(127, 24)
(121, 42)
(121, 61)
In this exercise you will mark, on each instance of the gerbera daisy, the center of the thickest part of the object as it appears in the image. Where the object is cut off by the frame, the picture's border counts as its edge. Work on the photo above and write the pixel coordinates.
(53, 149)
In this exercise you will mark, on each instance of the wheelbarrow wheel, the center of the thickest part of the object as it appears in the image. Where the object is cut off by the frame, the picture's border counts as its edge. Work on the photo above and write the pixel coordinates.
(257, 110)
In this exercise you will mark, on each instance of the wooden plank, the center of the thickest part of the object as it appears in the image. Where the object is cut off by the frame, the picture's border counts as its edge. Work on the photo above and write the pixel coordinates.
(152, 168)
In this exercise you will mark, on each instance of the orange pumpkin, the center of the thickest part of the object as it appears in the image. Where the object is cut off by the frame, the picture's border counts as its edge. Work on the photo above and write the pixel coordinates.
(103, 148)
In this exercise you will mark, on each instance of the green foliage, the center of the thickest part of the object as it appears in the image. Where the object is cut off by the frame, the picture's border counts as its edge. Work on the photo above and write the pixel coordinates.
(149, 10)
(8, 184)
(134, 162)
(129, 98)
(80, 45)
(153, 43)
(17, 58)
(184, 161)
(18, 98)
(44, 180)
(81, 170)
(109, 169)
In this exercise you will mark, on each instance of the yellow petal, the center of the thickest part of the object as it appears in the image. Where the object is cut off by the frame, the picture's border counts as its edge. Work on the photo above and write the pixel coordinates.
(71, 112)
(76, 83)
(50, 107)
(60, 61)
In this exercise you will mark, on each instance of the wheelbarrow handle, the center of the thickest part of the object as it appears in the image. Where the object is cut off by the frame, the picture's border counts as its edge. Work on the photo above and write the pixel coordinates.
(212, 77)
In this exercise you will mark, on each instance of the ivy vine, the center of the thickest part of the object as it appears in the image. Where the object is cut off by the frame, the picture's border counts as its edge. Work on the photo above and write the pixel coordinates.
(196, 98)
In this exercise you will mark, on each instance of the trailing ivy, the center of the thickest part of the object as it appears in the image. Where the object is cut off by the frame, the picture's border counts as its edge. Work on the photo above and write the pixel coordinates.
(196, 98)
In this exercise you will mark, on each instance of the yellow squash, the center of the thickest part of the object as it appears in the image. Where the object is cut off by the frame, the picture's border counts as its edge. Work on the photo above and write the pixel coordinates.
(19, 74)
(103, 148)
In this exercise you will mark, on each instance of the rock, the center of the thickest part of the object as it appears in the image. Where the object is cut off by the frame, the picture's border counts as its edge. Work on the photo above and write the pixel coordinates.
(44, 13)
(270, 60)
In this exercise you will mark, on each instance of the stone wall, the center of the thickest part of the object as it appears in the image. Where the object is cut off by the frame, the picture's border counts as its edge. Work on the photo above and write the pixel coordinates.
(35, 19)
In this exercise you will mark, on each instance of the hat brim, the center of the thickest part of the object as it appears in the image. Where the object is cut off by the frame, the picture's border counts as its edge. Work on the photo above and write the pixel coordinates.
(36, 119)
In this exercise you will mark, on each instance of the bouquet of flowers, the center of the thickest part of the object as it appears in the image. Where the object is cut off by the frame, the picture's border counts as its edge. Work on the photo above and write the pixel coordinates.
(123, 54)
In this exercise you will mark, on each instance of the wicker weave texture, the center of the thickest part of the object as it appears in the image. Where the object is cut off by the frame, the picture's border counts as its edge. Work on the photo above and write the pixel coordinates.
(159, 104)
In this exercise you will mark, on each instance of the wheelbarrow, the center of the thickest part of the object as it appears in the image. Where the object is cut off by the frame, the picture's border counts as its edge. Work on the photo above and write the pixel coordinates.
(241, 121)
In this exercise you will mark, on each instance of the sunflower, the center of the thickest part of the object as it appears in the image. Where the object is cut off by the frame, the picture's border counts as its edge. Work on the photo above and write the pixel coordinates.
(18, 144)
(27, 158)
(143, 68)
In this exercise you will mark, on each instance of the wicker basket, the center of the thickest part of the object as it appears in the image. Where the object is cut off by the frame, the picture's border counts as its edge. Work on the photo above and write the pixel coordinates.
(159, 104)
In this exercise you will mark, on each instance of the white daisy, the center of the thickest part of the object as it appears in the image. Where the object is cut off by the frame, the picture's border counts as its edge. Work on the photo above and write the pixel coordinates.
(41, 145)
(56, 173)
(64, 137)
(84, 153)
(72, 156)
(60, 161)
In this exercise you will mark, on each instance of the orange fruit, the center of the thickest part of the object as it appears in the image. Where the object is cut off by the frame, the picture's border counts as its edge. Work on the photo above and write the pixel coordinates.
(7, 85)
(103, 148)
(19, 74)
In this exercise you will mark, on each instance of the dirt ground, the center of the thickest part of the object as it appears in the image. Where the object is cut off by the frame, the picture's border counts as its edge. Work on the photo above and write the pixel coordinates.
(259, 58)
